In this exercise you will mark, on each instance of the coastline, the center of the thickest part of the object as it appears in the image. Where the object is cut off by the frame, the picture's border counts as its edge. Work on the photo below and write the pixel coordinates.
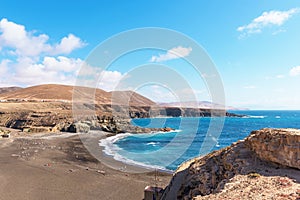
(57, 165)
(114, 159)
(92, 140)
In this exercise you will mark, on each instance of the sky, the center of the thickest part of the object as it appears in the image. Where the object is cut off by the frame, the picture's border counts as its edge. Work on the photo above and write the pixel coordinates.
(253, 44)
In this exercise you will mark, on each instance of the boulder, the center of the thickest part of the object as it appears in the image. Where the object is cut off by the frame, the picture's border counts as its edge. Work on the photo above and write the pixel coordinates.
(79, 127)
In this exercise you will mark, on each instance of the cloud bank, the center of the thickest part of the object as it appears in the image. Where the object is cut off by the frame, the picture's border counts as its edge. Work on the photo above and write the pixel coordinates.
(27, 43)
(28, 58)
(174, 53)
(295, 71)
(267, 19)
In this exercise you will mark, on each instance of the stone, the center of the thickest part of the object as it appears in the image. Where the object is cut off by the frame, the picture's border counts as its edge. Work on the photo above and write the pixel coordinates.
(79, 127)
(101, 172)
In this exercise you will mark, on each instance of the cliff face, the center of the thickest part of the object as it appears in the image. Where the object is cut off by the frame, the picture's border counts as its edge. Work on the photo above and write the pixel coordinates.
(268, 158)
(57, 116)
(281, 146)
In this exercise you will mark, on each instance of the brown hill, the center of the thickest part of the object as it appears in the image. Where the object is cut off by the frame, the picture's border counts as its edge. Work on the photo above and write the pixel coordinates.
(54, 92)
(122, 97)
(9, 89)
(40, 92)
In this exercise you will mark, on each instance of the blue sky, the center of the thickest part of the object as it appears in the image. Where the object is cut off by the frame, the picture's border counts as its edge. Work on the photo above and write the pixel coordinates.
(254, 44)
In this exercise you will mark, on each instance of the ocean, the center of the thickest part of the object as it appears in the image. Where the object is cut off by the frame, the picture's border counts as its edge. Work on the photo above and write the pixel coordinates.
(190, 138)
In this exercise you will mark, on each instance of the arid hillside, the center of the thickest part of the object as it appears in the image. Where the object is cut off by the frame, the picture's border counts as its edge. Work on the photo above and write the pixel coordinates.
(53, 92)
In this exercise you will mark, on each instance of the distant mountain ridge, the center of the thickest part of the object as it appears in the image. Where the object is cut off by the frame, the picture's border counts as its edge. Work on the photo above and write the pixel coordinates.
(199, 104)
(8, 89)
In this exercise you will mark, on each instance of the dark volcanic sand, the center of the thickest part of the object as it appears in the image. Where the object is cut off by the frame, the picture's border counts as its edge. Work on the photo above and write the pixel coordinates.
(61, 168)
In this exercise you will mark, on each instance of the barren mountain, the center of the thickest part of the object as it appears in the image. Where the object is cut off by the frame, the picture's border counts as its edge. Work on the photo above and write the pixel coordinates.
(9, 89)
(53, 92)
(199, 104)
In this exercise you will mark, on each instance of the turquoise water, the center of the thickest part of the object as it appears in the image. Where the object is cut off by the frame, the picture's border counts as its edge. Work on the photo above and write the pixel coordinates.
(168, 150)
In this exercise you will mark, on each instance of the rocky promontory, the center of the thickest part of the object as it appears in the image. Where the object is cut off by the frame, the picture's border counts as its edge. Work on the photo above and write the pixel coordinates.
(263, 166)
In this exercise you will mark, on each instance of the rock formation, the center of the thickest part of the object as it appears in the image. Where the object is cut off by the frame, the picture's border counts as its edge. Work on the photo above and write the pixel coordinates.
(281, 146)
(265, 153)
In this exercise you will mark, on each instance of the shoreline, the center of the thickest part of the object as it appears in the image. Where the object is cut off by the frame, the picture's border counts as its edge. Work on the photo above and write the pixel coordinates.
(57, 165)
(129, 165)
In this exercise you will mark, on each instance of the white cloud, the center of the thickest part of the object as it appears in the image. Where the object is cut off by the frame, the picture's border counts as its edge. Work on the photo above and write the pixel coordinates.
(68, 44)
(295, 71)
(27, 71)
(109, 80)
(249, 87)
(174, 53)
(61, 63)
(279, 31)
(28, 43)
(33, 60)
(25, 43)
(280, 76)
(4, 66)
(271, 18)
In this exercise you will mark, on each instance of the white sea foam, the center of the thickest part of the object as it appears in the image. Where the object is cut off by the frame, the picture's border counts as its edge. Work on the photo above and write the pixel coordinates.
(113, 150)
(153, 143)
(108, 143)
(257, 117)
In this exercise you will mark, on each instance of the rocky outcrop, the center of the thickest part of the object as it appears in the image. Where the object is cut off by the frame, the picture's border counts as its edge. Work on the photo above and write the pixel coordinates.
(146, 112)
(79, 127)
(60, 120)
(276, 145)
(267, 152)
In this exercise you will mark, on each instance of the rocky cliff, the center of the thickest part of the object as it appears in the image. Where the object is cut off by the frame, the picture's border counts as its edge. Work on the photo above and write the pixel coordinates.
(57, 116)
(281, 146)
(264, 166)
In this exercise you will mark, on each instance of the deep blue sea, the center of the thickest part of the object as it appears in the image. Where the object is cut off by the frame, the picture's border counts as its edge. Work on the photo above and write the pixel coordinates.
(192, 137)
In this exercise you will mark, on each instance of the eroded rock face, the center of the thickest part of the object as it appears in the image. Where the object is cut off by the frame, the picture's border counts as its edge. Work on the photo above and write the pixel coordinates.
(266, 152)
(276, 145)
